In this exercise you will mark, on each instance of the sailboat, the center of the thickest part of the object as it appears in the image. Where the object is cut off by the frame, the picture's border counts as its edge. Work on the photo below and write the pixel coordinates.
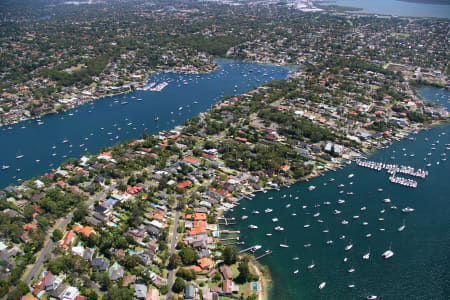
(401, 228)
(322, 285)
(349, 246)
(388, 253)
(367, 255)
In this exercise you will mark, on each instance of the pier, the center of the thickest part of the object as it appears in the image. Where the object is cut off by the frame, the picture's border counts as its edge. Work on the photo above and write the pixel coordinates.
(268, 252)
(230, 239)
(247, 249)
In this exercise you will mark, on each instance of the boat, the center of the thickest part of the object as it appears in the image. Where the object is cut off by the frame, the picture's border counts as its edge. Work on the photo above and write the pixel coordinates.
(388, 253)
(251, 226)
(306, 226)
(255, 248)
(342, 237)
(5, 167)
(288, 205)
(279, 228)
(295, 258)
(284, 246)
(350, 286)
(311, 266)
(316, 214)
(401, 228)
(322, 285)
(329, 242)
(244, 217)
(349, 246)
(408, 209)
(344, 222)
(255, 212)
(311, 188)
(296, 271)
(268, 234)
(351, 270)
(350, 175)
(275, 220)
(65, 141)
(307, 245)
(336, 212)
(341, 201)
(366, 256)
(387, 200)
(268, 210)
(372, 297)
(368, 235)
(345, 259)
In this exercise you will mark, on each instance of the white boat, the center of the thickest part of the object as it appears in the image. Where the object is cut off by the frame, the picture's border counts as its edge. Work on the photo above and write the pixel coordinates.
(268, 210)
(350, 176)
(268, 234)
(368, 235)
(275, 220)
(279, 228)
(311, 266)
(341, 201)
(372, 297)
(296, 271)
(366, 256)
(363, 208)
(255, 212)
(401, 228)
(5, 167)
(316, 214)
(251, 226)
(348, 247)
(65, 141)
(408, 209)
(345, 259)
(387, 254)
(350, 286)
(19, 156)
(342, 237)
(284, 246)
(307, 245)
(255, 248)
(329, 242)
(288, 205)
(244, 217)
(336, 212)
(322, 285)
(311, 188)
(351, 270)
(306, 226)
(344, 222)
(387, 200)
(295, 258)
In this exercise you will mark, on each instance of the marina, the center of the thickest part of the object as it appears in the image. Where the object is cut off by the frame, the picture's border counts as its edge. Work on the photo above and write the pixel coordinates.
(369, 228)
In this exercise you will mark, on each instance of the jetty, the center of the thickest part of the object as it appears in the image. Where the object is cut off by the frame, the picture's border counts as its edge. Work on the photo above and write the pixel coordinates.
(268, 252)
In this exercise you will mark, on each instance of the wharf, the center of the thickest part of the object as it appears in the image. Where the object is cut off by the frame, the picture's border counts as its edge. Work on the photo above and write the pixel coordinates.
(268, 252)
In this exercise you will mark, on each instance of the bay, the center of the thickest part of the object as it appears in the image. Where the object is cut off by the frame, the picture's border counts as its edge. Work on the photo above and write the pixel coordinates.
(398, 8)
(420, 266)
(106, 121)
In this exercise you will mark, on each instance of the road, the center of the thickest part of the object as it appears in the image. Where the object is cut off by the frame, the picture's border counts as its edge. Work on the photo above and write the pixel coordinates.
(48, 247)
(173, 244)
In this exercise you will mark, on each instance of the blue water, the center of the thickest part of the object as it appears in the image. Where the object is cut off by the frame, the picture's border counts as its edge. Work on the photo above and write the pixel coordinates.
(398, 8)
(420, 268)
(121, 122)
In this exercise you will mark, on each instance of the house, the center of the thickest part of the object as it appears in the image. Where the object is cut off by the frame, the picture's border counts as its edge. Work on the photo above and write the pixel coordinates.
(184, 184)
(152, 294)
(226, 272)
(205, 263)
(100, 263)
(127, 280)
(70, 293)
(140, 291)
(52, 283)
(116, 272)
(189, 292)
(68, 239)
(227, 286)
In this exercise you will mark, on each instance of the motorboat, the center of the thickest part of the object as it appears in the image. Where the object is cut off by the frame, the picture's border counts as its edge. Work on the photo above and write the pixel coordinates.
(366, 256)
(268, 234)
(275, 220)
(251, 226)
(279, 228)
(351, 270)
(244, 217)
(311, 266)
(329, 242)
(348, 247)
(322, 285)
(336, 212)
(387, 254)
(401, 228)
(344, 222)
(408, 209)
(268, 210)
(284, 246)
(296, 271)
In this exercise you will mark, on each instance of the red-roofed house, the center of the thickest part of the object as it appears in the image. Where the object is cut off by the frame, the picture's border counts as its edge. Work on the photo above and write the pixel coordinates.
(191, 161)
(184, 184)
(41, 284)
(68, 239)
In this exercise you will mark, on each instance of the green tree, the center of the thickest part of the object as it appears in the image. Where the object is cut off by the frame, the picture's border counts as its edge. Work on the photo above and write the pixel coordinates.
(188, 256)
(118, 294)
(174, 261)
(105, 281)
(57, 235)
(229, 255)
(178, 285)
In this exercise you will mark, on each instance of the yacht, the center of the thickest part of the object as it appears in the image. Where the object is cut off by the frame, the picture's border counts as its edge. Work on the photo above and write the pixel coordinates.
(311, 188)
(284, 246)
(268, 210)
(368, 235)
(244, 217)
(295, 258)
(408, 209)
(401, 228)
(351, 270)
(296, 271)
(252, 226)
(306, 226)
(255, 248)
(387, 254)
(19, 156)
(279, 228)
(255, 212)
(307, 245)
(329, 242)
(268, 234)
(311, 266)
(363, 208)
(372, 297)
(316, 214)
(293, 214)
(5, 167)
(350, 286)
(341, 201)
(336, 212)
(366, 256)
(387, 200)
(275, 220)
(345, 259)
(349, 246)
(288, 205)
(350, 176)
(65, 141)
(322, 285)
(344, 222)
